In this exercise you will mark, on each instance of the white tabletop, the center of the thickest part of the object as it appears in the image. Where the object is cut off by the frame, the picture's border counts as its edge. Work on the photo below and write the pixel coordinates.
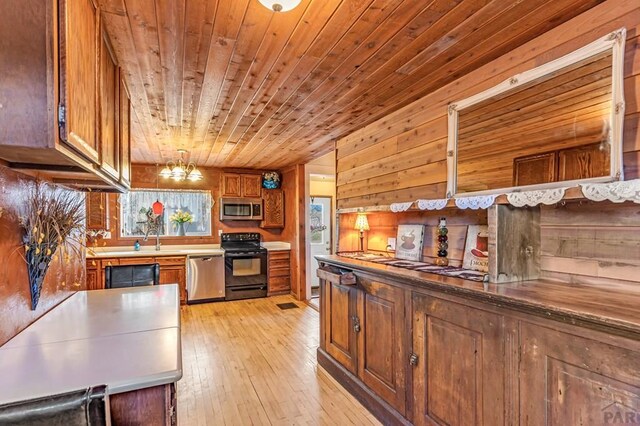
(127, 339)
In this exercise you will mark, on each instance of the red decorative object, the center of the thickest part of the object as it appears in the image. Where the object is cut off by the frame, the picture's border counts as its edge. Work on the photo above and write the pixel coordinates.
(158, 208)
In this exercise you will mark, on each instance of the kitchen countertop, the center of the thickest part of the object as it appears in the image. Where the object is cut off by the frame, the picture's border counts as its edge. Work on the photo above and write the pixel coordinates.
(149, 250)
(172, 250)
(276, 246)
(605, 307)
(128, 339)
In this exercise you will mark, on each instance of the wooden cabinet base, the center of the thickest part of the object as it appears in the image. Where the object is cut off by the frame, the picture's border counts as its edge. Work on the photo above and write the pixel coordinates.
(376, 405)
(446, 359)
(173, 270)
(151, 406)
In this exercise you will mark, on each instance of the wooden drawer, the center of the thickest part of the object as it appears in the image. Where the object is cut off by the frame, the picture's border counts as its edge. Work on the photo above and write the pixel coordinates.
(279, 264)
(281, 272)
(178, 261)
(279, 284)
(109, 262)
(284, 254)
(136, 260)
(336, 276)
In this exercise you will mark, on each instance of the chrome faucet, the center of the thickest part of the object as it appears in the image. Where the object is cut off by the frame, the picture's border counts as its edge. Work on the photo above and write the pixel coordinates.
(153, 224)
(157, 238)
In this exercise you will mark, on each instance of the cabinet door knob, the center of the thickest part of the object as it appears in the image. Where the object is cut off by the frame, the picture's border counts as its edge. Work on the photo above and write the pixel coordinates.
(356, 324)
(413, 359)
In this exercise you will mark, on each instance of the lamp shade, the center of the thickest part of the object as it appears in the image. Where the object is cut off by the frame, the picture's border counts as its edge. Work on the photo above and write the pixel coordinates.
(166, 172)
(280, 5)
(195, 175)
(178, 172)
(362, 224)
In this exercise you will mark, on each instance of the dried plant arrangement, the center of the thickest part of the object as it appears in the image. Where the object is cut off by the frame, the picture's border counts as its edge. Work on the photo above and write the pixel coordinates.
(52, 218)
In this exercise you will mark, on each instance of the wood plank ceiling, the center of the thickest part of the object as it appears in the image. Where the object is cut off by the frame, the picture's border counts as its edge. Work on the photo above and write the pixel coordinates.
(240, 86)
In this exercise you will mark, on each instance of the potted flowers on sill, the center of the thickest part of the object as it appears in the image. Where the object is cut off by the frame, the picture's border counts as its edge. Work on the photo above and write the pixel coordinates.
(179, 218)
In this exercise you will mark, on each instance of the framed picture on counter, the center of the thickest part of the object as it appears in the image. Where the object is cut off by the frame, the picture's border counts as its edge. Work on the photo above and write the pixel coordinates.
(476, 249)
(409, 242)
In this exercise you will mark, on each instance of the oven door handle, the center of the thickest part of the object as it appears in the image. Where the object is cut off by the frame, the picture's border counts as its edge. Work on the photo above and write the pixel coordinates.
(246, 288)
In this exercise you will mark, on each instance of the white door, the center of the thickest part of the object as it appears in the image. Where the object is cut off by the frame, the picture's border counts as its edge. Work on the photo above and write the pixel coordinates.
(320, 232)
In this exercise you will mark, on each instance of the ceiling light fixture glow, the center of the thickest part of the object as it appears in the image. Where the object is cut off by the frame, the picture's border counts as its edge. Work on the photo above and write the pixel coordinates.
(179, 170)
(280, 5)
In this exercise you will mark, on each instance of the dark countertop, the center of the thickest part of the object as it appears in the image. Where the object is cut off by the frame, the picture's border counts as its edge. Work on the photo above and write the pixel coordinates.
(609, 308)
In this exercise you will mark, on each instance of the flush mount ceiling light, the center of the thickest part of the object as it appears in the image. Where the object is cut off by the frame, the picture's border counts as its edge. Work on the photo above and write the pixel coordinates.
(180, 171)
(280, 5)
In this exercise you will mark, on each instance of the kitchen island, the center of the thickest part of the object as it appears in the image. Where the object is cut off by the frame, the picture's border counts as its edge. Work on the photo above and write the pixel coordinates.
(428, 349)
(128, 339)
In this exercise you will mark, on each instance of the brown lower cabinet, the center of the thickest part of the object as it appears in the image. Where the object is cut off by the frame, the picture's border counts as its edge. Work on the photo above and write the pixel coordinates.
(279, 272)
(569, 378)
(363, 330)
(172, 270)
(156, 405)
(416, 355)
(459, 357)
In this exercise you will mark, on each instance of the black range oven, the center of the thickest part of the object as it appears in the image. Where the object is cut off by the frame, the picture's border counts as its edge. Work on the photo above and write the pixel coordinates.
(245, 266)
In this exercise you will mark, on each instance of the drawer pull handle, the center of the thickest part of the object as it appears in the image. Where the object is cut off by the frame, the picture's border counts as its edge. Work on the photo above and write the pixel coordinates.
(356, 324)
(413, 359)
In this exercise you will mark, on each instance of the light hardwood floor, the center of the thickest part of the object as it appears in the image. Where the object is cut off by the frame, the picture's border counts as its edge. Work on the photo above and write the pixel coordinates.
(251, 363)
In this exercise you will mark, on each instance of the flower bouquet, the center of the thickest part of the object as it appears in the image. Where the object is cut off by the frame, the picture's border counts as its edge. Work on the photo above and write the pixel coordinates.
(179, 218)
(271, 180)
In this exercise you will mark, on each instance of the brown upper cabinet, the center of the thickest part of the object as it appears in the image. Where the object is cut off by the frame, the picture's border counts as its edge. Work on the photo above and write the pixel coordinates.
(241, 185)
(97, 211)
(535, 169)
(59, 93)
(109, 93)
(124, 124)
(273, 209)
(78, 52)
(582, 162)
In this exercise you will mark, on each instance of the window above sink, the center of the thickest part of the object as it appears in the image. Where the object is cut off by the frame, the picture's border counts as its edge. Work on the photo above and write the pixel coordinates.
(135, 204)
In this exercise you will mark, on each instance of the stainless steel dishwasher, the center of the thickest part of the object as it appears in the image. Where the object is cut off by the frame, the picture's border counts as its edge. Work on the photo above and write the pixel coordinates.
(205, 278)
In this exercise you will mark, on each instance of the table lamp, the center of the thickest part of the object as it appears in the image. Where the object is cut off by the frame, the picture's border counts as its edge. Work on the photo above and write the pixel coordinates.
(362, 225)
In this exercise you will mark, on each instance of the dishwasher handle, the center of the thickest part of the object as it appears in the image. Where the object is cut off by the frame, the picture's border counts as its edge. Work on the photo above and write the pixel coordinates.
(205, 258)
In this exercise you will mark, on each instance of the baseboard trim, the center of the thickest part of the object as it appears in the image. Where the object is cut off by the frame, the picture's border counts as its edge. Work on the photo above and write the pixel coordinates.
(372, 402)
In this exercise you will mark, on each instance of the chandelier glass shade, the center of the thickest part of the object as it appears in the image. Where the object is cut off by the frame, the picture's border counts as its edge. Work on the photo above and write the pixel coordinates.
(280, 5)
(180, 171)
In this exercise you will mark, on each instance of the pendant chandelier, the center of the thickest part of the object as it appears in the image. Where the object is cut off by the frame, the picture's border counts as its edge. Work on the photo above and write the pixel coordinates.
(180, 171)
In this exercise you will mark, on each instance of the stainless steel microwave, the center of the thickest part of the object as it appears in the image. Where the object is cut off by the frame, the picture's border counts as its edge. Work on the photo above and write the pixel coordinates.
(241, 209)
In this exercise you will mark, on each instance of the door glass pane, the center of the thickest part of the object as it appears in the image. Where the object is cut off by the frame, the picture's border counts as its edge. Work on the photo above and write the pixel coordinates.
(246, 267)
(320, 232)
(135, 207)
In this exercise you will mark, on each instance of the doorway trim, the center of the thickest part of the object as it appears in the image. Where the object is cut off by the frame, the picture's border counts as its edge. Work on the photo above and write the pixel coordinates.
(309, 259)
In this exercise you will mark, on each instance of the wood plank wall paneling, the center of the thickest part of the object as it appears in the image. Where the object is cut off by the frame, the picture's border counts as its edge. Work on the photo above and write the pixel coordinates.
(144, 176)
(375, 162)
(591, 242)
(15, 300)
(385, 225)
